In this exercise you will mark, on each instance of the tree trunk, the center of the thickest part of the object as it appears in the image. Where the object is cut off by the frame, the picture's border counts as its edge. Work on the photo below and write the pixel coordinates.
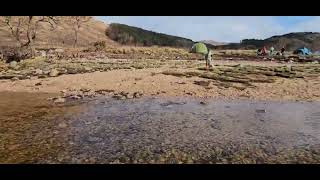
(32, 48)
(75, 38)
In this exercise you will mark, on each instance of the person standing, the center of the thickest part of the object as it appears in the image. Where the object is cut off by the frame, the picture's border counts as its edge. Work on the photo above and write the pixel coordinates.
(282, 51)
(208, 58)
(271, 51)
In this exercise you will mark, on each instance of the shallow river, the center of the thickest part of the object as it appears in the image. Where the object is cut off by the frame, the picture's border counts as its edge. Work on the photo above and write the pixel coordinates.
(157, 130)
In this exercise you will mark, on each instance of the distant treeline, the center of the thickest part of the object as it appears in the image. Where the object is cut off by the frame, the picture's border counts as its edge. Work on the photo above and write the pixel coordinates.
(129, 35)
(290, 41)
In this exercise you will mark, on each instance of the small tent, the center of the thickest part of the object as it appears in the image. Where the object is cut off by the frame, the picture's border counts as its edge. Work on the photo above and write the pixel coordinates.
(302, 51)
(199, 48)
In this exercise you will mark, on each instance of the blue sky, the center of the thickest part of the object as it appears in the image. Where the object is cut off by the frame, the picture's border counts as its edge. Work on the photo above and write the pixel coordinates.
(220, 28)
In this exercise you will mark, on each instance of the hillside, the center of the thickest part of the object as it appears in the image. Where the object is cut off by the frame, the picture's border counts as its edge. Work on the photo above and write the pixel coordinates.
(63, 35)
(291, 41)
(129, 35)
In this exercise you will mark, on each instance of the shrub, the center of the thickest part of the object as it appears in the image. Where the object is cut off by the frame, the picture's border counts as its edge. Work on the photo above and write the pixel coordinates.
(15, 53)
(99, 45)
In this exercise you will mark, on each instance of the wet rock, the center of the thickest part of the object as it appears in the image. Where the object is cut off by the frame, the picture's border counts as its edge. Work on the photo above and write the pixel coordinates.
(62, 125)
(104, 91)
(129, 96)
(54, 73)
(137, 94)
(118, 97)
(59, 100)
(124, 93)
(13, 147)
(261, 111)
(94, 139)
(249, 133)
(203, 103)
(75, 97)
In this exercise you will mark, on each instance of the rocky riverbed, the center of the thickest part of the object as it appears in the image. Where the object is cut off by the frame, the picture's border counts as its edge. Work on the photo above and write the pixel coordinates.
(158, 111)
(157, 130)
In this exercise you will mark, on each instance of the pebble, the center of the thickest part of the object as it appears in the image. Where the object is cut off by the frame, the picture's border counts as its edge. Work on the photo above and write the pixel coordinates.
(13, 64)
(87, 68)
(62, 125)
(14, 78)
(54, 73)
(129, 96)
(13, 147)
(75, 97)
(59, 100)
(94, 139)
(203, 103)
(38, 72)
(261, 111)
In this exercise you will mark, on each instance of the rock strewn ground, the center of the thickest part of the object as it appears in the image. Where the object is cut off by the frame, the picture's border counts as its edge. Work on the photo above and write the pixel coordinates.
(124, 78)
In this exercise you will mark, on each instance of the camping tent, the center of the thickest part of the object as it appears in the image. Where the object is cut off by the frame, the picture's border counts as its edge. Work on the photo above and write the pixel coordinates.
(302, 51)
(200, 48)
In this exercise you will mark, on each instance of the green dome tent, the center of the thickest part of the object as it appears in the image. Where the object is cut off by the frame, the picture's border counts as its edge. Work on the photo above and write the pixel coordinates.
(200, 48)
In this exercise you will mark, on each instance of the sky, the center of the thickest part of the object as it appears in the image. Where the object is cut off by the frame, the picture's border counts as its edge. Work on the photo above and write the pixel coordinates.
(220, 28)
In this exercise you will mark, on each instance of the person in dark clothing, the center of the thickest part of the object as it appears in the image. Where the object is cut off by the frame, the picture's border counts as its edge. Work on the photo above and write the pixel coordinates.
(282, 51)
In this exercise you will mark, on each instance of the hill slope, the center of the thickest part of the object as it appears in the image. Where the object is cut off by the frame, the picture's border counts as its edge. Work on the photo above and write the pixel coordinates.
(130, 35)
(291, 41)
(63, 35)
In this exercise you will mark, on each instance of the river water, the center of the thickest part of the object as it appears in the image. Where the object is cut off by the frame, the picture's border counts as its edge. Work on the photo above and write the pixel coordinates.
(157, 130)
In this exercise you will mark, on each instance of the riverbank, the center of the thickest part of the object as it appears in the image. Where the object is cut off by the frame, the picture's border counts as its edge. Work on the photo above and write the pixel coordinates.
(228, 79)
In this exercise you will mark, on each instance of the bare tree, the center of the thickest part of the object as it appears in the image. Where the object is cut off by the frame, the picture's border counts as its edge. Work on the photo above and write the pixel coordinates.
(24, 28)
(77, 22)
